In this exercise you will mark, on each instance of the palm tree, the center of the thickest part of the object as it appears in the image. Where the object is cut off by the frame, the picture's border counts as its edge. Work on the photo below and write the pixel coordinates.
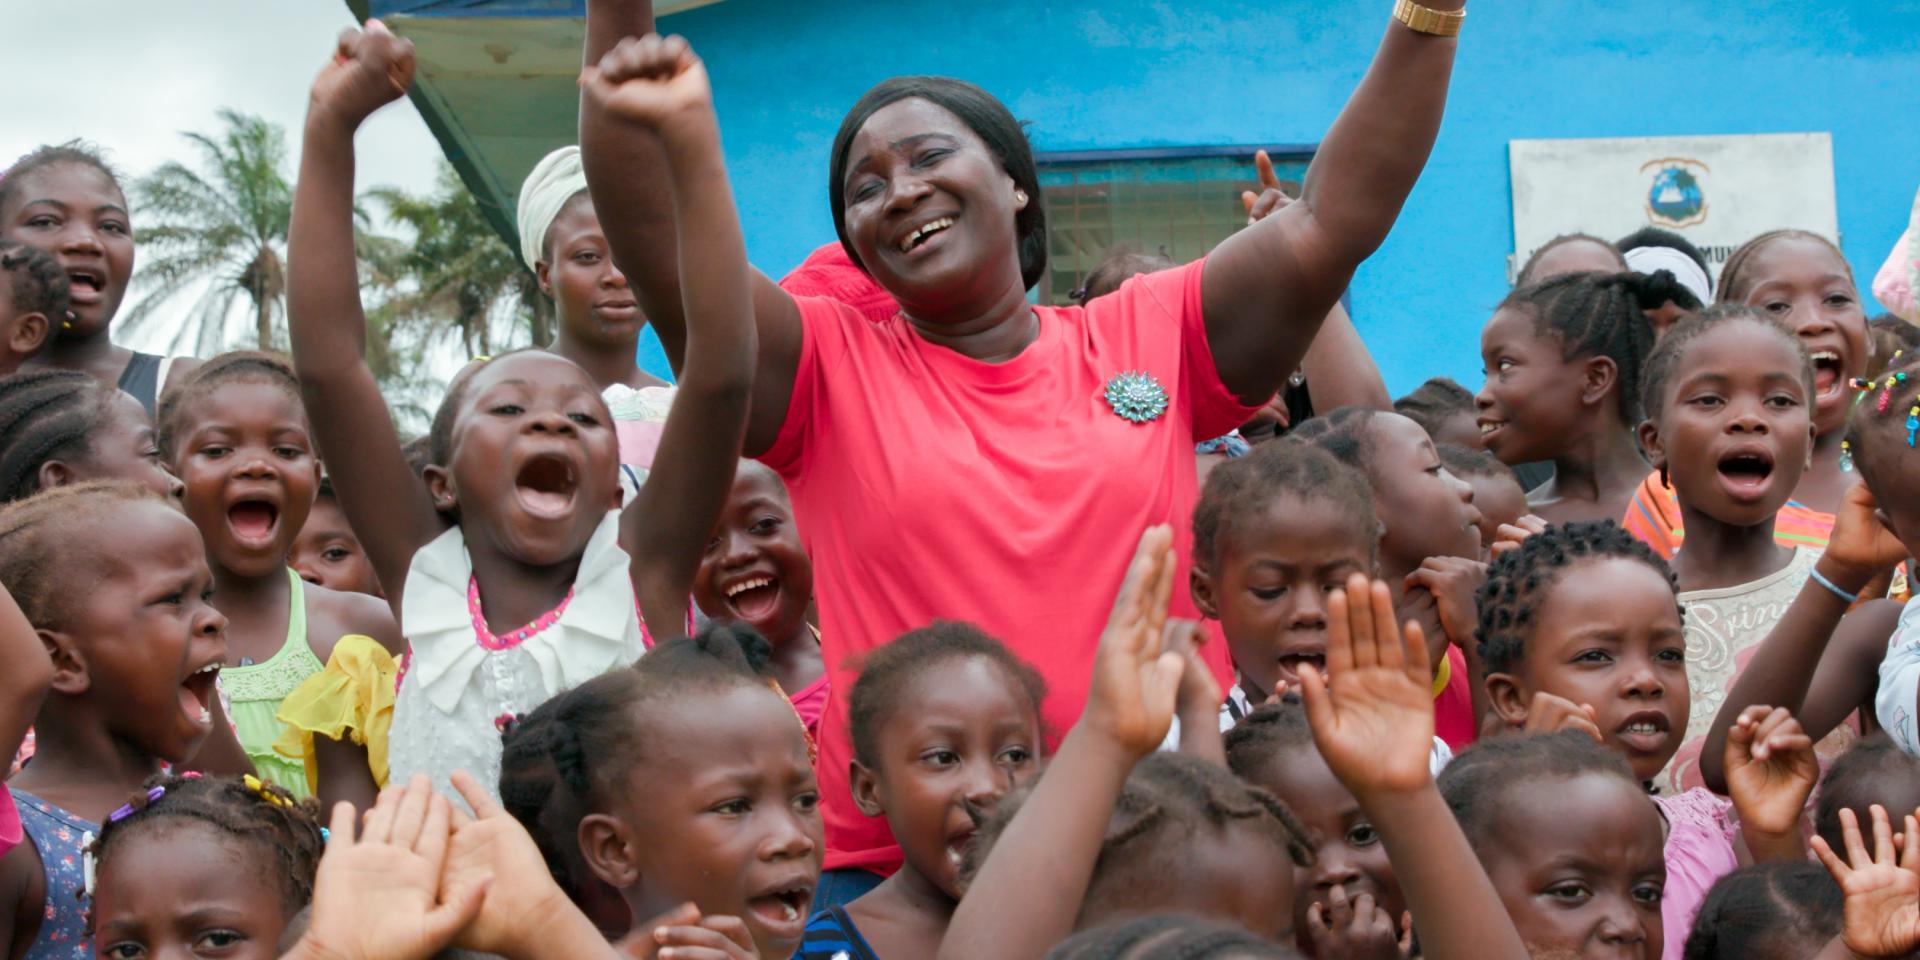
(224, 227)
(459, 271)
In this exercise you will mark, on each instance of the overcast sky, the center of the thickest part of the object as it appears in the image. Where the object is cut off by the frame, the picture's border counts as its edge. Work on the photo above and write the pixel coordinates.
(131, 74)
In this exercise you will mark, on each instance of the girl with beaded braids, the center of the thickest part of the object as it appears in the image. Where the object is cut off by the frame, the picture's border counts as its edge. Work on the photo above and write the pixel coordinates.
(1562, 360)
(1585, 616)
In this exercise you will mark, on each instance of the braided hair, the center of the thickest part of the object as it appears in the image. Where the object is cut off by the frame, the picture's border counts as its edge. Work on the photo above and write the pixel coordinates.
(1168, 936)
(283, 833)
(1482, 777)
(1666, 357)
(1603, 315)
(886, 673)
(37, 544)
(1877, 429)
(1263, 735)
(53, 155)
(1431, 403)
(239, 366)
(37, 283)
(1518, 581)
(1525, 276)
(1167, 800)
(1734, 282)
(1786, 908)
(47, 415)
(1241, 488)
(571, 755)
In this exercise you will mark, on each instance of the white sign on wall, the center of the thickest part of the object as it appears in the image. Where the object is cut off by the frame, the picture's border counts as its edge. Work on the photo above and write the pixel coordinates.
(1718, 192)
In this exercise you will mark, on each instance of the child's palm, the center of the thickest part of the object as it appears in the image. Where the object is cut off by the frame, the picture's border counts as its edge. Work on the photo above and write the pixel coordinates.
(369, 70)
(492, 845)
(1135, 684)
(378, 897)
(1882, 912)
(1860, 540)
(1372, 713)
(650, 80)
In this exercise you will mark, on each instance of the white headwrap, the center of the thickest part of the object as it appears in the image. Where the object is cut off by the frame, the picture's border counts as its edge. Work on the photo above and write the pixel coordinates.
(1649, 260)
(554, 181)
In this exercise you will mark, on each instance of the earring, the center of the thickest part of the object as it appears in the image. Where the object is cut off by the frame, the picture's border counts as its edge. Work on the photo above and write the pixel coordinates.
(1020, 198)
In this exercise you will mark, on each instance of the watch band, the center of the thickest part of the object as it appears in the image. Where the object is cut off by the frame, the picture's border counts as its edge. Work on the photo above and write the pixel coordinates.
(1419, 19)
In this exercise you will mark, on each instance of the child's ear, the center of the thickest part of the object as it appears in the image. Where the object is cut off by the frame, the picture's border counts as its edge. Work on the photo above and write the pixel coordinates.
(70, 674)
(1598, 376)
(29, 334)
(439, 486)
(608, 847)
(1649, 434)
(1200, 584)
(866, 790)
(55, 473)
(1507, 698)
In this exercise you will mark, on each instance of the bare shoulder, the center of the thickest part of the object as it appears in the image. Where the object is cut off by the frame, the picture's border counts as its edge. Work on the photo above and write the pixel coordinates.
(332, 614)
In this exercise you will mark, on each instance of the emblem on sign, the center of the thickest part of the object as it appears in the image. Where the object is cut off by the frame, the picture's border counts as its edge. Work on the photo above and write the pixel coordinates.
(1675, 197)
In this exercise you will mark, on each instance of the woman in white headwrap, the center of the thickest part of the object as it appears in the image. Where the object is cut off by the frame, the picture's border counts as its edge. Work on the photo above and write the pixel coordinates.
(598, 320)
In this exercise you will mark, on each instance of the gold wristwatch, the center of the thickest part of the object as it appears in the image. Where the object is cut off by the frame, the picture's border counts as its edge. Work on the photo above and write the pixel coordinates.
(1419, 19)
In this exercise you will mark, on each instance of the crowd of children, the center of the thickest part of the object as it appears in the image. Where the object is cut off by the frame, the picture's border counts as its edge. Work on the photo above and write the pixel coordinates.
(906, 623)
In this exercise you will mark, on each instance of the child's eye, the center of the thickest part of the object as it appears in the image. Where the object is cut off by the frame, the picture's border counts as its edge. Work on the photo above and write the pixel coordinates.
(1268, 593)
(805, 802)
(114, 226)
(289, 453)
(1708, 400)
(584, 419)
(738, 806)
(507, 410)
(335, 554)
(1671, 655)
(940, 758)
(1648, 893)
(1839, 300)
(1593, 656)
(765, 527)
(1362, 835)
(1571, 891)
(1783, 402)
(1503, 365)
(1016, 756)
(1777, 306)
(215, 452)
(124, 951)
(219, 939)
(44, 220)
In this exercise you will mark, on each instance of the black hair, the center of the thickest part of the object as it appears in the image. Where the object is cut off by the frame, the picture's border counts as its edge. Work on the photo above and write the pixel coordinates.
(53, 155)
(1264, 734)
(37, 545)
(1782, 909)
(1603, 315)
(47, 415)
(440, 431)
(283, 832)
(1526, 271)
(1168, 936)
(1463, 462)
(890, 669)
(988, 118)
(1518, 581)
(419, 454)
(1116, 268)
(1167, 799)
(1240, 488)
(1434, 401)
(1893, 338)
(1476, 782)
(1734, 281)
(1347, 433)
(569, 755)
(1657, 237)
(38, 284)
(1665, 359)
(1854, 782)
(1875, 429)
(240, 366)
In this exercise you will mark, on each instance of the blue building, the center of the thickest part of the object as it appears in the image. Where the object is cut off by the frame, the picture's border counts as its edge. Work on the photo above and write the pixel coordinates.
(1146, 110)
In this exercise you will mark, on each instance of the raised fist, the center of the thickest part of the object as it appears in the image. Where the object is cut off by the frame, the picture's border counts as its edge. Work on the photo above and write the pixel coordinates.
(369, 70)
(649, 80)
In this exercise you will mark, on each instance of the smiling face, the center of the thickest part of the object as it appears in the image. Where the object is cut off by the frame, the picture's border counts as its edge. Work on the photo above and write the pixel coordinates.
(724, 812)
(755, 569)
(1580, 864)
(972, 734)
(1427, 511)
(78, 214)
(929, 208)
(1347, 849)
(1275, 571)
(329, 554)
(152, 641)
(589, 293)
(1803, 284)
(246, 458)
(535, 465)
(1607, 634)
(1533, 397)
(1734, 430)
(186, 889)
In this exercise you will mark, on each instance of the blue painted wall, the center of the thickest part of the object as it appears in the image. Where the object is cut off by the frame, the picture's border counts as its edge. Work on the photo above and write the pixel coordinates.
(1132, 73)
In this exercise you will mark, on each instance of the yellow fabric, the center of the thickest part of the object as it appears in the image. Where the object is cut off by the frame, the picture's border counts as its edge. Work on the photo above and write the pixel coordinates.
(1441, 676)
(352, 696)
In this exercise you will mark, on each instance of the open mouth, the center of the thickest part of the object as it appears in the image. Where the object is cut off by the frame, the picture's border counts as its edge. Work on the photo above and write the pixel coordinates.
(957, 846)
(85, 284)
(1290, 663)
(754, 598)
(1826, 372)
(784, 909)
(196, 695)
(1745, 473)
(545, 485)
(1646, 731)
(253, 521)
(1490, 427)
(922, 233)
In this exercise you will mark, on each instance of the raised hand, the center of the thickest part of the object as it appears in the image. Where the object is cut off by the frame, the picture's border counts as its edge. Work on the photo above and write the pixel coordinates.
(369, 70)
(1771, 771)
(492, 851)
(1372, 710)
(378, 896)
(1861, 546)
(650, 81)
(683, 934)
(1882, 913)
(1136, 682)
(1259, 205)
(1547, 713)
(1354, 930)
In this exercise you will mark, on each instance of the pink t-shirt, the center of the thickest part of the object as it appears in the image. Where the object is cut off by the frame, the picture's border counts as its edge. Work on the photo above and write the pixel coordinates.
(10, 829)
(929, 485)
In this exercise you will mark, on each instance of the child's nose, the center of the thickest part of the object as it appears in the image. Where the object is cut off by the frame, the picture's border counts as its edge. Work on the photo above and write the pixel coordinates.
(1621, 923)
(789, 839)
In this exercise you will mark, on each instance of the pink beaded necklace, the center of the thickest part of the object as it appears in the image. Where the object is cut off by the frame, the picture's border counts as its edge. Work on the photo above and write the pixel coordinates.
(486, 638)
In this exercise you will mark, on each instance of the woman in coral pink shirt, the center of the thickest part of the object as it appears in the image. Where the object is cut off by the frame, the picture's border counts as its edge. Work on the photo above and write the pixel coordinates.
(975, 457)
